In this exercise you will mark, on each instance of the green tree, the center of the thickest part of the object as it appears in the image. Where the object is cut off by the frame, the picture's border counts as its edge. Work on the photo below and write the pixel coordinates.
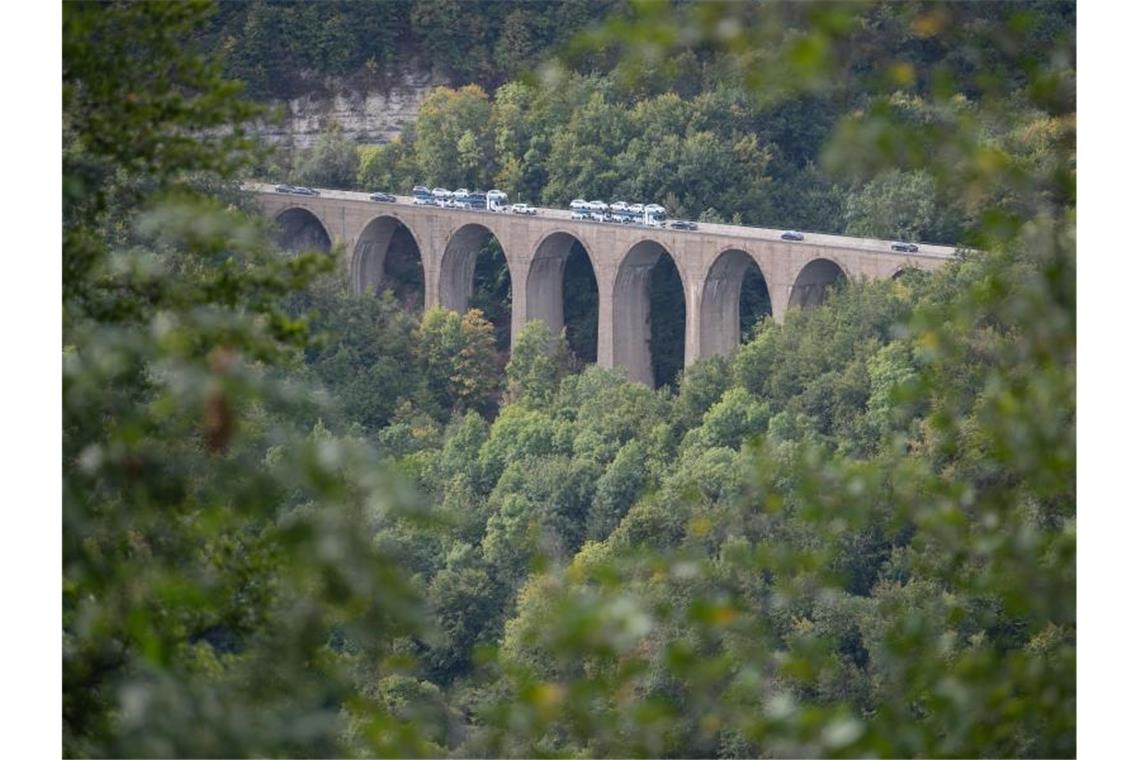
(445, 117)
(894, 205)
(459, 359)
(538, 363)
(333, 162)
(389, 167)
(199, 607)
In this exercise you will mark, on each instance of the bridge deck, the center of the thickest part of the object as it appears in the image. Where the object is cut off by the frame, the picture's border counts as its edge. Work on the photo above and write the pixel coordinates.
(925, 250)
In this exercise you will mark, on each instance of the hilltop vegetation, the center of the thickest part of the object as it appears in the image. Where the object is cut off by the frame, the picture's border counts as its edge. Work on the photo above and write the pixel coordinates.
(301, 522)
(282, 49)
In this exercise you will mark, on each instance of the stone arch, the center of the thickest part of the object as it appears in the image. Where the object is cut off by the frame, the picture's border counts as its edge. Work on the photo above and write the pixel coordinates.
(632, 328)
(546, 288)
(371, 264)
(813, 281)
(457, 270)
(300, 229)
(457, 265)
(720, 300)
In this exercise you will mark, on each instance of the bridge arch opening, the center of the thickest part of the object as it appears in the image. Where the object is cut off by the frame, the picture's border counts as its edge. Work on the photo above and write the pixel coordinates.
(299, 230)
(388, 257)
(474, 274)
(562, 290)
(649, 315)
(734, 298)
(814, 282)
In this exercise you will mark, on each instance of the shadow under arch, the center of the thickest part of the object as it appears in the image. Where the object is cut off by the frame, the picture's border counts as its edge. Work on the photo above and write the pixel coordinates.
(562, 290)
(728, 307)
(649, 314)
(474, 253)
(389, 256)
(299, 229)
(814, 281)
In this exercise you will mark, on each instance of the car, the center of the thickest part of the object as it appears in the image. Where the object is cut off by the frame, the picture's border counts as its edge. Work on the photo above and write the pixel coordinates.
(461, 192)
(305, 191)
(681, 224)
(284, 188)
(578, 204)
(523, 208)
(904, 247)
(618, 206)
(580, 214)
(382, 197)
(792, 235)
(420, 190)
(423, 200)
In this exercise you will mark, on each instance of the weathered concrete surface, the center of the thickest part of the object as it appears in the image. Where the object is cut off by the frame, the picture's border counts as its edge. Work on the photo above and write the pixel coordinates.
(711, 262)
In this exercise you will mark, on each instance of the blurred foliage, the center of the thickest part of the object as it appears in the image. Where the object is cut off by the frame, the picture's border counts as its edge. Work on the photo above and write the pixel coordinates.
(219, 596)
(854, 536)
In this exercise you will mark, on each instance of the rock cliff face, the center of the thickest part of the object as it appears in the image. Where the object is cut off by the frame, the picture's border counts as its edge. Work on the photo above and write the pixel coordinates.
(370, 117)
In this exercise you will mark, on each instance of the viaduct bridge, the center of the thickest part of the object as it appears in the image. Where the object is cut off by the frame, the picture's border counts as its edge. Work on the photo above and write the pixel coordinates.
(711, 262)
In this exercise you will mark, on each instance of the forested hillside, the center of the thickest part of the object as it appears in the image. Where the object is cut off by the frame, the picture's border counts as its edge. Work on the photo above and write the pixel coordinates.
(283, 48)
(303, 522)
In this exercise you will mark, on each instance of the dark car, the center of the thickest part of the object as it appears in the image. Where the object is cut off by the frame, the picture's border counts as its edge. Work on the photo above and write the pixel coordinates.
(792, 235)
(284, 188)
(904, 247)
(305, 191)
(382, 197)
(681, 224)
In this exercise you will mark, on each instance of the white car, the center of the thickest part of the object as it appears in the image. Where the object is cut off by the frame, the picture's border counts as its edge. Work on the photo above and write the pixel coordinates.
(580, 214)
(619, 206)
(523, 208)
(578, 204)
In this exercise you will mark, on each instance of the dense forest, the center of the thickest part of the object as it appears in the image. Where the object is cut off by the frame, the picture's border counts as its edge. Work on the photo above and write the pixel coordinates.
(303, 522)
(284, 48)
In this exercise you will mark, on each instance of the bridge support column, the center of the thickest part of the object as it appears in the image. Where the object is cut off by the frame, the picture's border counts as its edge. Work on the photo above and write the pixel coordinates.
(693, 348)
(605, 325)
(431, 281)
(779, 293)
(519, 301)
